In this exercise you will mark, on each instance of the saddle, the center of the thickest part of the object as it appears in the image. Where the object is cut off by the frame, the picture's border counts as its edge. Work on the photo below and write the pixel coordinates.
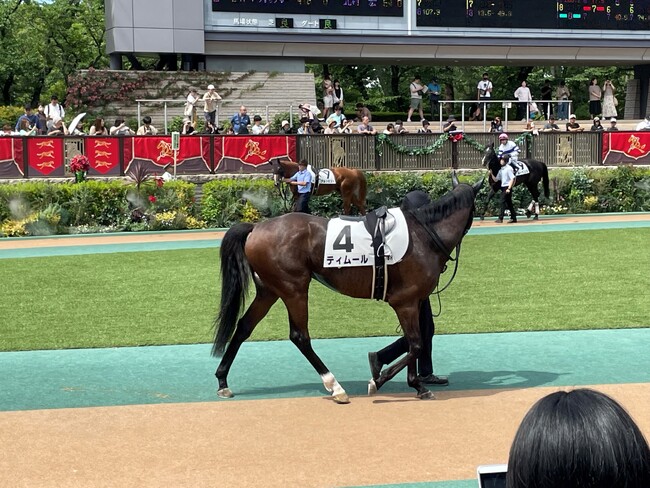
(378, 223)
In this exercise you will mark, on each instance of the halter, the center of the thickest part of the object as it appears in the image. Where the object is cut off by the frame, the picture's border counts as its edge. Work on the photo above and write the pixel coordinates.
(282, 189)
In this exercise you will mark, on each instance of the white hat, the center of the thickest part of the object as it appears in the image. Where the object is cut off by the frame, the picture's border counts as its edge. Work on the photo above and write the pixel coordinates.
(210, 87)
(612, 120)
(572, 116)
(284, 122)
(331, 119)
(596, 119)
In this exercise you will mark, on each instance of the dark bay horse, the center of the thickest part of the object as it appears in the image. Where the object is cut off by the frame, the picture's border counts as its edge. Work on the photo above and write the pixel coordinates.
(283, 254)
(538, 172)
(350, 183)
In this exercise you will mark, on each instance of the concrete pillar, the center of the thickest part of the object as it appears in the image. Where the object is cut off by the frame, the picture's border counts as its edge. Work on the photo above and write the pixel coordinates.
(642, 75)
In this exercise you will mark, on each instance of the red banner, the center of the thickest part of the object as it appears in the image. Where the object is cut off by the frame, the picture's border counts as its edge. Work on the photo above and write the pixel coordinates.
(256, 150)
(158, 150)
(45, 156)
(103, 154)
(11, 157)
(626, 147)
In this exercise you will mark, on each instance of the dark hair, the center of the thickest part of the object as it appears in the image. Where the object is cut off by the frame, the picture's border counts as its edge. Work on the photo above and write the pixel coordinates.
(390, 126)
(580, 438)
(146, 120)
(302, 162)
(54, 97)
(27, 107)
(118, 121)
(359, 105)
(425, 122)
(257, 117)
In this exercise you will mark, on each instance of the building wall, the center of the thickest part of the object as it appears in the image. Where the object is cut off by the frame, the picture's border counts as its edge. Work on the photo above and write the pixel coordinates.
(155, 26)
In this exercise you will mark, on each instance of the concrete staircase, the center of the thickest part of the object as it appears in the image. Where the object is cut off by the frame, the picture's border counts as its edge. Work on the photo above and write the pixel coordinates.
(513, 125)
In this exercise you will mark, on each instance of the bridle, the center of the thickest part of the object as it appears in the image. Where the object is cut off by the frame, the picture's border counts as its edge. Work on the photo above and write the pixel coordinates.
(285, 194)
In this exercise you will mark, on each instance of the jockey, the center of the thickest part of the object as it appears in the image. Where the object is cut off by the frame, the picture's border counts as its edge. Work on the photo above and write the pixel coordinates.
(509, 148)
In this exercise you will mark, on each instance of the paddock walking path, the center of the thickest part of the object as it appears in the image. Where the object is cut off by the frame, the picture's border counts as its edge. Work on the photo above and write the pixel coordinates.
(149, 417)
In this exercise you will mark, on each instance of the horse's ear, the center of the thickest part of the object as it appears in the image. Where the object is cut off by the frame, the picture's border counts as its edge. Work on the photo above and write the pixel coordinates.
(454, 179)
(478, 185)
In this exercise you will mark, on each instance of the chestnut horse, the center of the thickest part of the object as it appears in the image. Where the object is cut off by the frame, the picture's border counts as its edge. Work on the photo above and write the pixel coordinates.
(350, 183)
(283, 254)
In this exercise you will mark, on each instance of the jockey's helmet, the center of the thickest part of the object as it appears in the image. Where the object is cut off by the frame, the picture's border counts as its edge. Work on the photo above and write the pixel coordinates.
(503, 135)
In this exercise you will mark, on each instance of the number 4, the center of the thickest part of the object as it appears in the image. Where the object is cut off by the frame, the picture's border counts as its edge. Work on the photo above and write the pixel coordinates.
(339, 244)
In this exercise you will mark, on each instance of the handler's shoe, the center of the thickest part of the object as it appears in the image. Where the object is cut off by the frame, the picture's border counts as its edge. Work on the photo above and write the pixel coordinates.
(498, 221)
(512, 221)
(432, 379)
(375, 365)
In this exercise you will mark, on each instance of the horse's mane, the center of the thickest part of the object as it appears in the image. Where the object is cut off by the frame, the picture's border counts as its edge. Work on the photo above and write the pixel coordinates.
(459, 198)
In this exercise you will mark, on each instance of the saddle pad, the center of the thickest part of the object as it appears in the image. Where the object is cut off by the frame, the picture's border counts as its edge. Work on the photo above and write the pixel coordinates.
(326, 177)
(349, 244)
(522, 169)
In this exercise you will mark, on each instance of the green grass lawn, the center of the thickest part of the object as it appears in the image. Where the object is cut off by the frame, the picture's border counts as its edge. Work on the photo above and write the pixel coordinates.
(515, 282)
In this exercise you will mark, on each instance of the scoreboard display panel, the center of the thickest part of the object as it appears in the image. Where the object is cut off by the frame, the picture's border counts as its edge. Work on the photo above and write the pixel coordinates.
(374, 8)
(535, 14)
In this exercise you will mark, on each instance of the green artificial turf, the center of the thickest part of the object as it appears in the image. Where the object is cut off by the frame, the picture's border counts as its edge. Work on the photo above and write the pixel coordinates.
(513, 282)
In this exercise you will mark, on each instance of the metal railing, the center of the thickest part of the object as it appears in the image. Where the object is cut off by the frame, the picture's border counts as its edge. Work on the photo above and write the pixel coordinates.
(507, 105)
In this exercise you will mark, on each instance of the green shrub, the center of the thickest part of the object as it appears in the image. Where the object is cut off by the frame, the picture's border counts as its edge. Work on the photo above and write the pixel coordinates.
(225, 201)
(9, 115)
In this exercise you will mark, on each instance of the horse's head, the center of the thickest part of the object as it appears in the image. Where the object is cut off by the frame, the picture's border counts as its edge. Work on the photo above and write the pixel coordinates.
(490, 156)
(278, 171)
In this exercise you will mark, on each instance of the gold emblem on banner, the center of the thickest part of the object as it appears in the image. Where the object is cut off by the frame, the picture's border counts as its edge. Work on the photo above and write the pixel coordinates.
(254, 149)
(635, 143)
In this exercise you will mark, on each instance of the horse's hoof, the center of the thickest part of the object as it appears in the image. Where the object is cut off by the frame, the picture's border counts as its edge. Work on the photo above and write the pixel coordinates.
(341, 398)
(426, 395)
(372, 388)
(528, 214)
(225, 393)
(536, 217)
(482, 217)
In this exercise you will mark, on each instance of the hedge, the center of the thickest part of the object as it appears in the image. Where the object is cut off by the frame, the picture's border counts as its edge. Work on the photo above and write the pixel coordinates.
(39, 208)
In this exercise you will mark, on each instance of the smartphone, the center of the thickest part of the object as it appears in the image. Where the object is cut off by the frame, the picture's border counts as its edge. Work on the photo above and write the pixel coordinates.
(492, 475)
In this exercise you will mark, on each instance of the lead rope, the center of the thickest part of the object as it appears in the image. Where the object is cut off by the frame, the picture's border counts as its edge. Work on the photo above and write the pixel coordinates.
(439, 290)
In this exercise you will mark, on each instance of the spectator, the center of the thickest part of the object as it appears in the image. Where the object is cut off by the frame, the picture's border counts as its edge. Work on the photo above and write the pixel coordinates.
(58, 128)
(338, 94)
(346, 128)
(597, 126)
(258, 128)
(31, 118)
(434, 96)
(305, 126)
(609, 100)
(530, 127)
(78, 130)
(210, 100)
(533, 110)
(146, 129)
(331, 126)
(53, 111)
(7, 131)
(209, 128)
(98, 128)
(496, 125)
(551, 126)
(572, 125)
(42, 119)
(188, 127)
(644, 124)
(285, 128)
(425, 128)
(474, 111)
(240, 121)
(417, 91)
(310, 112)
(338, 115)
(450, 126)
(484, 91)
(562, 94)
(25, 129)
(362, 111)
(120, 128)
(365, 127)
(399, 127)
(612, 125)
(190, 105)
(328, 96)
(523, 96)
(578, 439)
(390, 129)
(595, 95)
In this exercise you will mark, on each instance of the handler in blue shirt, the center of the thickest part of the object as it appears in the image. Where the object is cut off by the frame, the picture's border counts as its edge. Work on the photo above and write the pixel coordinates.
(302, 179)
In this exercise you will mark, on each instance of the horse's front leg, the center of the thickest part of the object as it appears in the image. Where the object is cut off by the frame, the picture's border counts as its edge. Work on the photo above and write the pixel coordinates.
(299, 335)
(408, 316)
(491, 193)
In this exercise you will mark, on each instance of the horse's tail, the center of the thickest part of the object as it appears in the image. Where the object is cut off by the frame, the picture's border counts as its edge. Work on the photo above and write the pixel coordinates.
(235, 278)
(547, 191)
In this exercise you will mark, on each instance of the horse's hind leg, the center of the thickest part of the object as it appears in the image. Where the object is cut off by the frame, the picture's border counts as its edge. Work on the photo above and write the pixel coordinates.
(264, 300)
(299, 335)
(534, 204)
